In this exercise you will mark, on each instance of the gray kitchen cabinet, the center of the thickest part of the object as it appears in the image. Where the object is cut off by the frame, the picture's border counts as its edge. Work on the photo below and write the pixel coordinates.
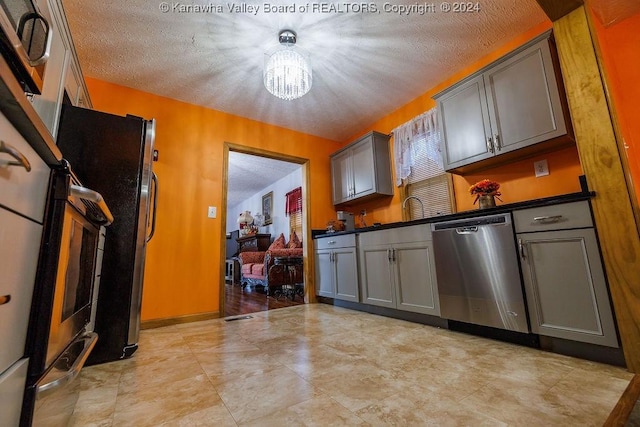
(362, 169)
(511, 104)
(12, 383)
(337, 268)
(397, 269)
(563, 274)
(24, 181)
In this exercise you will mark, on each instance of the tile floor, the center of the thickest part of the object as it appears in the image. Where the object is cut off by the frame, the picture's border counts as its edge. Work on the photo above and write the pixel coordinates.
(319, 365)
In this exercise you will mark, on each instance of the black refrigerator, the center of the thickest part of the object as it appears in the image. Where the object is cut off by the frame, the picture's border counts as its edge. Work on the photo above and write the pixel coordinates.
(113, 155)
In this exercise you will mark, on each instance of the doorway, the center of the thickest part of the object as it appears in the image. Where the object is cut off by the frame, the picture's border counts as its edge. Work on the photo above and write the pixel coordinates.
(244, 182)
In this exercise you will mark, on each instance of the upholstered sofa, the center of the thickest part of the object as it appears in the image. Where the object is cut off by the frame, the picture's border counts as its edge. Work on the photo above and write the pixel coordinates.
(259, 268)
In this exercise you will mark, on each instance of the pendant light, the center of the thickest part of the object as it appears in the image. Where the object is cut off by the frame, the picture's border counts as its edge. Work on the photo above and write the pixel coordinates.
(287, 73)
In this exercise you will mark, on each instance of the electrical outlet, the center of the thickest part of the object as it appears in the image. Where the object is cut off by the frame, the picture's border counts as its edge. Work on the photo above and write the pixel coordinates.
(212, 212)
(541, 167)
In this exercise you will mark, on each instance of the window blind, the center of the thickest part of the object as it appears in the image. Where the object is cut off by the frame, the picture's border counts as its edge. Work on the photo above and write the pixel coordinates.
(429, 182)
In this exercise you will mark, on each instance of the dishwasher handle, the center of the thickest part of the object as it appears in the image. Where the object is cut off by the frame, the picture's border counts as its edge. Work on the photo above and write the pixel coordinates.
(467, 230)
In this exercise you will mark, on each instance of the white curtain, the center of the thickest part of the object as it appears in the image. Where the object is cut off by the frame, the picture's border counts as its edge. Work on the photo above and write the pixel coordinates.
(417, 135)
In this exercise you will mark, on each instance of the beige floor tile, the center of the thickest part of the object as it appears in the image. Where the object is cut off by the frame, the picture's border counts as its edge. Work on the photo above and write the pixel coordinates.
(319, 365)
(258, 396)
(165, 402)
(320, 411)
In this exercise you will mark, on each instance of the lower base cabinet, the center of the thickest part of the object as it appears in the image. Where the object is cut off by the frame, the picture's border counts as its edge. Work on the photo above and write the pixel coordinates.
(397, 272)
(337, 268)
(563, 274)
(12, 383)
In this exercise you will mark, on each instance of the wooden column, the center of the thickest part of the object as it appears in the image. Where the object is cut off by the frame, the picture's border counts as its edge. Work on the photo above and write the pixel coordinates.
(602, 165)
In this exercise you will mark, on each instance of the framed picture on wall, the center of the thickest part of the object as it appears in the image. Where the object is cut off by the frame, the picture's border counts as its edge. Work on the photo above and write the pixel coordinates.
(267, 207)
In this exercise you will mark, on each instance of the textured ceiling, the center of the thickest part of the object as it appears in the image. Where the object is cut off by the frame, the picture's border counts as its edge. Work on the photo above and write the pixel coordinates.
(365, 64)
(250, 174)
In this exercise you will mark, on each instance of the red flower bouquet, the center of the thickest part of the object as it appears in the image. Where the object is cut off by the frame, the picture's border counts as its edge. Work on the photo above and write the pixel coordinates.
(485, 187)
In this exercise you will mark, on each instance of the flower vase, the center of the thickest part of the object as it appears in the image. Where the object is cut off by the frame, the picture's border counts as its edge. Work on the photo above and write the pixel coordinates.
(486, 201)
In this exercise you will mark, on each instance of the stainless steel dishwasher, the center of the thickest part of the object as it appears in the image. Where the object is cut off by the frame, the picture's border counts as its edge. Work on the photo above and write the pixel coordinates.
(478, 275)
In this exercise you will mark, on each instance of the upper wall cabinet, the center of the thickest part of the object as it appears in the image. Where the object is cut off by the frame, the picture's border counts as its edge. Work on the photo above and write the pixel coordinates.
(362, 169)
(515, 103)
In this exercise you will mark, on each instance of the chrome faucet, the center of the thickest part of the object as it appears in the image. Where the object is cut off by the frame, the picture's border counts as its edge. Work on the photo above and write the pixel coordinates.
(404, 203)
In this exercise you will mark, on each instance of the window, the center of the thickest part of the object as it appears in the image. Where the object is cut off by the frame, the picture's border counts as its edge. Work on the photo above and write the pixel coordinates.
(419, 167)
(293, 209)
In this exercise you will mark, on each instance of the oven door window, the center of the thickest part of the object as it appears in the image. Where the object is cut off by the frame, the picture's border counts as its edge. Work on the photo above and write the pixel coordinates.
(79, 274)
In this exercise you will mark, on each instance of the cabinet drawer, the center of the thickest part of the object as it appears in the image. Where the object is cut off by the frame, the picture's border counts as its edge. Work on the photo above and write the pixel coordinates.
(12, 384)
(557, 217)
(412, 233)
(19, 246)
(22, 191)
(344, 241)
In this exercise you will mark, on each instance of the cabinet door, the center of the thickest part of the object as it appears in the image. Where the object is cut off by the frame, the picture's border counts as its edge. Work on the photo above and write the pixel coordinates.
(523, 99)
(19, 247)
(346, 278)
(376, 278)
(325, 272)
(363, 168)
(464, 123)
(415, 278)
(566, 288)
(12, 384)
(341, 175)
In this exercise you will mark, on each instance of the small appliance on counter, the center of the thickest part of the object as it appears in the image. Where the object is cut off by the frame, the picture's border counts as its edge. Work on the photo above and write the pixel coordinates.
(347, 219)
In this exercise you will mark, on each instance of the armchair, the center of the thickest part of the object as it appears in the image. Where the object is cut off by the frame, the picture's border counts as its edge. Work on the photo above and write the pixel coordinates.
(259, 268)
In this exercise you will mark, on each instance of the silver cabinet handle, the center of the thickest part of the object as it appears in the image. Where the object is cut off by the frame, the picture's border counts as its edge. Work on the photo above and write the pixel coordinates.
(547, 219)
(490, 145)
(92, 196)
(393, 255)
(521, 248)
(47, 50)
(4, 299)
(21, 160)
(331, 242)
(154, 179)
(389, 254)
(496, 138)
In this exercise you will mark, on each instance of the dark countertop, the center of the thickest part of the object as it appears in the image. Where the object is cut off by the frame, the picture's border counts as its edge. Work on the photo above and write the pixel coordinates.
(509, 207)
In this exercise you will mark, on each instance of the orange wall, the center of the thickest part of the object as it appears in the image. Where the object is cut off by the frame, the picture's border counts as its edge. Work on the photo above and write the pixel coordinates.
(620, 49)
(517, 179)
(182, 271)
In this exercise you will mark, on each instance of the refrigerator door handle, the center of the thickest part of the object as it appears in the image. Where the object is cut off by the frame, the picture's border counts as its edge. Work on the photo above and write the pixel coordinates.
(154, 178)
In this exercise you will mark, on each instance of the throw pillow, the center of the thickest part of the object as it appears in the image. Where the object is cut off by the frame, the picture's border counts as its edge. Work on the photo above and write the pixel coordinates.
(294, 241)
(278, 243)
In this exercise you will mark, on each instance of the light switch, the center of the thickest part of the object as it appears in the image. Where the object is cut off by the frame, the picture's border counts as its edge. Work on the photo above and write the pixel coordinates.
(211, 213)
(541, 167)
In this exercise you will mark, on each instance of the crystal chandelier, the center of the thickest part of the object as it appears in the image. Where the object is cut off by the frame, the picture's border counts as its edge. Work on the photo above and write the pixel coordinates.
(287, 73)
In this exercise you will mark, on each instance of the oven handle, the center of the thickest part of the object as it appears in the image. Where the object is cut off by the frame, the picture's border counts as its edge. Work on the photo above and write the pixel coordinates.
(89, 339)
(92, 196)
(154, 179)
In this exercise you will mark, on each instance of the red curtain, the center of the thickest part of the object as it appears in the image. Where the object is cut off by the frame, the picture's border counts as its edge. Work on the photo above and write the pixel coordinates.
(293, 201)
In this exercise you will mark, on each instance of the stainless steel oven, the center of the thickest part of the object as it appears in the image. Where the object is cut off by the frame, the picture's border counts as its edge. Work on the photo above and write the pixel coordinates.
(25, 41)
(59, 341)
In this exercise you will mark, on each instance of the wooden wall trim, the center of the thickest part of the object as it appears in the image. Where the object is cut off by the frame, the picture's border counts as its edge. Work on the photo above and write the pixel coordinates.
(621, 412)
(159, 323)
(602, 165)
(556, 9)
